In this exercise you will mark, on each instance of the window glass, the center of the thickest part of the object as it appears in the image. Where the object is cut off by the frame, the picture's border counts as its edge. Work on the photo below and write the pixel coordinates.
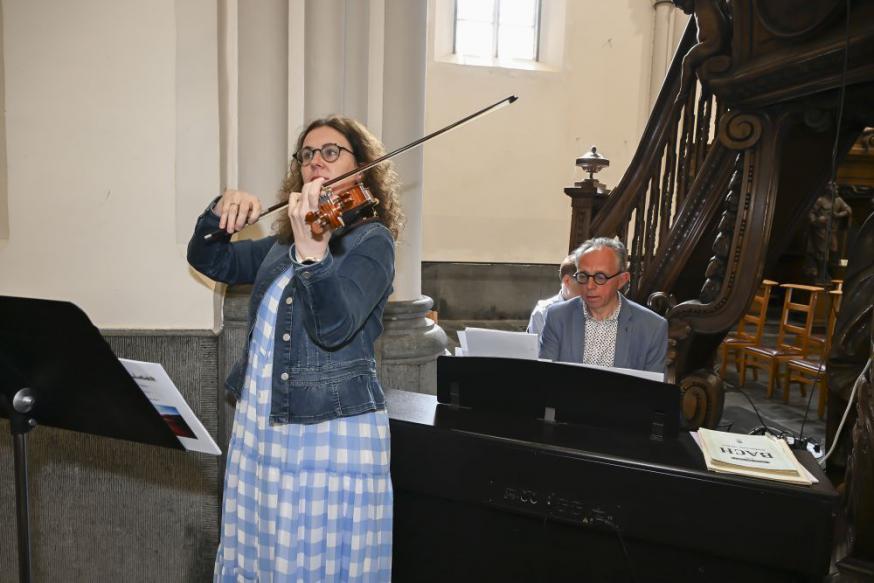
(519, 12)
(481, 10)
(516, 42)
(474, 39)
(497, 29)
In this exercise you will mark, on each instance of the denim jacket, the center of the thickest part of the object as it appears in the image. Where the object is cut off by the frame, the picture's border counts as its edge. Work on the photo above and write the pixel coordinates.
(323, 365)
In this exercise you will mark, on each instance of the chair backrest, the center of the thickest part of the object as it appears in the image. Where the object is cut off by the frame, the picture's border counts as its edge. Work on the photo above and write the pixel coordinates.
(822, 345)
(793, 335)
(756, 314)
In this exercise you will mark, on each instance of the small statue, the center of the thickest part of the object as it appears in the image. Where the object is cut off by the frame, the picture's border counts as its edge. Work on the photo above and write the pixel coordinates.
(714, 31)
(827, 224)
(852, 350)
(843, 215)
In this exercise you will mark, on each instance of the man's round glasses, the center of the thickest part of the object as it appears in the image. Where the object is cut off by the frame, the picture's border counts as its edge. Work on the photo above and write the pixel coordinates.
(600, 278)
(329, 152)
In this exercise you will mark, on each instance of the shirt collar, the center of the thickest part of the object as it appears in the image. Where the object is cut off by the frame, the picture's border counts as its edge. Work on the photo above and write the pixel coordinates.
(611, 317)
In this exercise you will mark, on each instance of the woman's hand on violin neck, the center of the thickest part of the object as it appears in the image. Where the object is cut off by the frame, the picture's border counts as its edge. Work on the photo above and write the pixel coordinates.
(299, 205)
(237, 209)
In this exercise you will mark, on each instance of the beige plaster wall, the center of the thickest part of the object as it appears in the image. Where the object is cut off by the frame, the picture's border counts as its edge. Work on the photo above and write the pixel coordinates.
(113, 146)
(494, 188)
(95, 114)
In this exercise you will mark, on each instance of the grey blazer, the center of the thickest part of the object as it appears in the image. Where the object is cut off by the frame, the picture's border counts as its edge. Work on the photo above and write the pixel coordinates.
(641, 340)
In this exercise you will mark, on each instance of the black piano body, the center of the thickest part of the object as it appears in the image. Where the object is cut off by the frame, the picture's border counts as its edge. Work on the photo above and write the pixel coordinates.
(485, 494)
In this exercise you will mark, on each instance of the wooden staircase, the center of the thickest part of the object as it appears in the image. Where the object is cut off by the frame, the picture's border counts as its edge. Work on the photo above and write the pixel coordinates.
(737, 147)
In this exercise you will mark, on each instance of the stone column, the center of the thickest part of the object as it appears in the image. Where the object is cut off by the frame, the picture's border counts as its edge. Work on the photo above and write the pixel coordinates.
(372, 70)
(663, 46)
(411, 341)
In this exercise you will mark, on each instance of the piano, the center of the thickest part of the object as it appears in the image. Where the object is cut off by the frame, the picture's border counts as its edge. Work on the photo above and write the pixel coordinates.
(504, 477)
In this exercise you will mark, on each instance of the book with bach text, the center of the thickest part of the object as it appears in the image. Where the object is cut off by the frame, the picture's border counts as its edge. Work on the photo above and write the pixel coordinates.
(758, 456)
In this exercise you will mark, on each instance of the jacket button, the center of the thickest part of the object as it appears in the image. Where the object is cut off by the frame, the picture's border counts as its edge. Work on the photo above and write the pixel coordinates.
(284, 376)
(306, 275)
(289, 299)
(286, 336)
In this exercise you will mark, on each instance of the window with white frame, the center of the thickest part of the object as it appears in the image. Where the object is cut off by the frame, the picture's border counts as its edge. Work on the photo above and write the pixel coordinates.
(498, 30)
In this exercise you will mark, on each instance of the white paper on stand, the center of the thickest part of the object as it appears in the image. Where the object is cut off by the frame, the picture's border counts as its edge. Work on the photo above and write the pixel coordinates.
(501, 343)
(643, 374)
(462, 339)
(156, 384)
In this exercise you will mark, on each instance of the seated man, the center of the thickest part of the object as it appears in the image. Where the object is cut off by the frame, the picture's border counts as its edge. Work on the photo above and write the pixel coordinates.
(602, 326)
(569, 289)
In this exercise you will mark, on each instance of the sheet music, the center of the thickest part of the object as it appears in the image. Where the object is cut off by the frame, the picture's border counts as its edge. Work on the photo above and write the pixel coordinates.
(156, 384)
(462, 339)
(643, 374)
(500, 343)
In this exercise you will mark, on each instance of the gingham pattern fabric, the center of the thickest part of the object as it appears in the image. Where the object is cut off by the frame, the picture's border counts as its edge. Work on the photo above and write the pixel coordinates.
(302, 502)
(599, 346)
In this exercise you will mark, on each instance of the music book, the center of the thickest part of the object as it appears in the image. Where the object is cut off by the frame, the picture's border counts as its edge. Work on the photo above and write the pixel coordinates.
(757, 456)
(157, 386)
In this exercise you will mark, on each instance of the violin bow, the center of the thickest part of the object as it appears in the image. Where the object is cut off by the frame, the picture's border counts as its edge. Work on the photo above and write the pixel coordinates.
(491, 108)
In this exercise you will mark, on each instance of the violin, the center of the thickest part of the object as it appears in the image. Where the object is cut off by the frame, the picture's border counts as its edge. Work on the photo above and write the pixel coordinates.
(347, 207)
(337, 210)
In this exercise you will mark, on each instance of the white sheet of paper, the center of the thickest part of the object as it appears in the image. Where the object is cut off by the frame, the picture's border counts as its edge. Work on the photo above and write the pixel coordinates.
(168, 401)
(643, 374)
(462, 339)
(501, 343)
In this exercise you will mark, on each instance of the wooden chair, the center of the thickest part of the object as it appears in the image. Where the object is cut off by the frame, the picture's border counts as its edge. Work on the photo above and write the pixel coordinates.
(806, 371)
(792, 338)
(749, 328)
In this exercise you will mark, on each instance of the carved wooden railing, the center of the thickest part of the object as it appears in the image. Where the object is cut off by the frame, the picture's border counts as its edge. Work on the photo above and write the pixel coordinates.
(737, 146)
(760, 102)
(642, 206)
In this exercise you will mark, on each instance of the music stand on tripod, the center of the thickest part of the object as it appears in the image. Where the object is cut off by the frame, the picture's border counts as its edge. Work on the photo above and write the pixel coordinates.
(57, 370)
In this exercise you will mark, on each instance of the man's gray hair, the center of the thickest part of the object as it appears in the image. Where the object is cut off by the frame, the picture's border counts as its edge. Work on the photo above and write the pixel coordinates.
(604, 243)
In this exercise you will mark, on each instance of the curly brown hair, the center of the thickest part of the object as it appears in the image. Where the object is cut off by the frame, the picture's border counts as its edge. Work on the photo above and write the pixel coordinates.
(382, 179)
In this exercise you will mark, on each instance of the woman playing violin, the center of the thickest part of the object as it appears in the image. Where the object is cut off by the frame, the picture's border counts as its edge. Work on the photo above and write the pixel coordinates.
(308, 494)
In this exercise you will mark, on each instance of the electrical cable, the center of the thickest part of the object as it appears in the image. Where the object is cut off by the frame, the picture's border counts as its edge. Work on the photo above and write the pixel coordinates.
(618, 532)
(756, 410)
(845, 415)
(818, 379)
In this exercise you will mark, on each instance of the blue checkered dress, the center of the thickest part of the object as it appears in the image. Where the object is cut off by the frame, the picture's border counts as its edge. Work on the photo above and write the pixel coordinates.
(302, 502)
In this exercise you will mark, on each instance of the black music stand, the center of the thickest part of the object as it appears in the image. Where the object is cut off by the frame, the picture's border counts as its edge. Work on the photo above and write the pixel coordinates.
(57, 370)
(560, 392)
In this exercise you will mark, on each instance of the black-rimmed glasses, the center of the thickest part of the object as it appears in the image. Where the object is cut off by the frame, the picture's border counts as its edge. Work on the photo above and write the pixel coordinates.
(600, 278)
(329, 152)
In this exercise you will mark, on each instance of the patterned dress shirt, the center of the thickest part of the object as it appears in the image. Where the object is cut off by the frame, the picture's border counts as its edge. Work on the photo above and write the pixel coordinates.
(600, 344)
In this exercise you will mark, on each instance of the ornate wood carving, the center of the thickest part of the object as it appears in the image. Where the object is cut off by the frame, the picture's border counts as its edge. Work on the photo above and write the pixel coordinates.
(783, 50)
(708, 215)
(703, 398)
(791, 19)
(722, 243)
(852, 346)
(714, 34)
(702, 393)
(750, 200)
(661, 129)
(692, 219)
